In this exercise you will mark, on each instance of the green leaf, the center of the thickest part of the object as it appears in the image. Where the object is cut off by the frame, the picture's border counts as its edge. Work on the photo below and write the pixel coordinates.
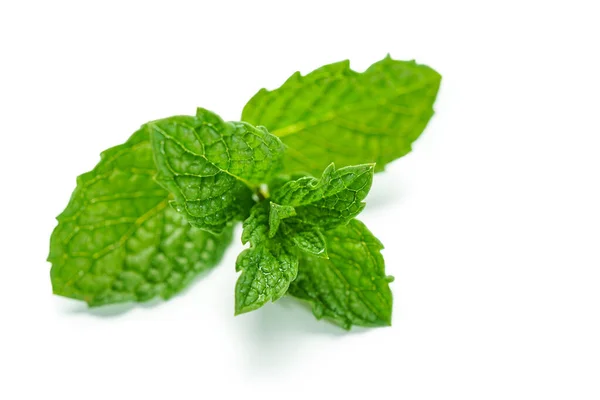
(271, 263)
(256, 226)
(291, 231)
(349, 288)
(306, 237)
(211, 166)
(267, 270)
(281, 179)
(335, 114)
(333, 200)
(276, 214)
(118, 240)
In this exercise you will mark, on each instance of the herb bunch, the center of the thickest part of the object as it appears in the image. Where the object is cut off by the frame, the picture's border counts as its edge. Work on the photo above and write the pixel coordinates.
(160, 208)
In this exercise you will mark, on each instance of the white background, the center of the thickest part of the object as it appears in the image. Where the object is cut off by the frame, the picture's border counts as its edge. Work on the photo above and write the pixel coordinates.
(491, 224)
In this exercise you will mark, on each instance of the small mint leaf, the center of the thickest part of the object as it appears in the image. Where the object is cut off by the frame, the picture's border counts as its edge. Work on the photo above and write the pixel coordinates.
(332, 200)
(290, 231)
(351, 287)
(256, 226)
(267, 271)
(276, 214)
(306, 237)
(270, 264)
(211, 166)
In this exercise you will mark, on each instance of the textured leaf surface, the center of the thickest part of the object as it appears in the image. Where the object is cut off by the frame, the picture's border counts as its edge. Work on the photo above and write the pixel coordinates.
(256, 226)
(271, 263)
(335, 114)
(306, 237)
(349, 288)
(276, 214)
(267, 270)
(290, 231)
(211, 166)
(118, 240)
(332, 200)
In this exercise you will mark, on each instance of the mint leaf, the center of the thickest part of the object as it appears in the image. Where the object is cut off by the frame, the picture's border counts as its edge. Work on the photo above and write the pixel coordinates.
(270, 221)
(268, 266)
(276, 214)
(281, 179)
(332, 200)
(256, 226)
(211, 166)
(271, 263)
(349, 288)
(335, 114)
(267, 271)
(306, 237)
(118, 240)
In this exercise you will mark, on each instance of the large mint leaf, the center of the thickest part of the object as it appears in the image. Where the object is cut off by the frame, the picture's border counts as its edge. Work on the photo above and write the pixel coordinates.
(332, 200)
(335, 114)
(212, 166)
(350, 287)
(118, 240)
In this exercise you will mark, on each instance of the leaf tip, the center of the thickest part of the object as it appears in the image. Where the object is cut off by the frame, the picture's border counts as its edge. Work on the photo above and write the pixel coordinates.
(201, 111)
(296, 77)
(243, 309)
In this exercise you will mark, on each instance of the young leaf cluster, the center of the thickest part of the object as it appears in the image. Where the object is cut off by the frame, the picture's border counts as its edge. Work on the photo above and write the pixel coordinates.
(160, 209)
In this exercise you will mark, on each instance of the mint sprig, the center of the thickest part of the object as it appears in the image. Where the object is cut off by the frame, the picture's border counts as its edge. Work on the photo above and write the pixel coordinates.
(160, 208)
(350, 287)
